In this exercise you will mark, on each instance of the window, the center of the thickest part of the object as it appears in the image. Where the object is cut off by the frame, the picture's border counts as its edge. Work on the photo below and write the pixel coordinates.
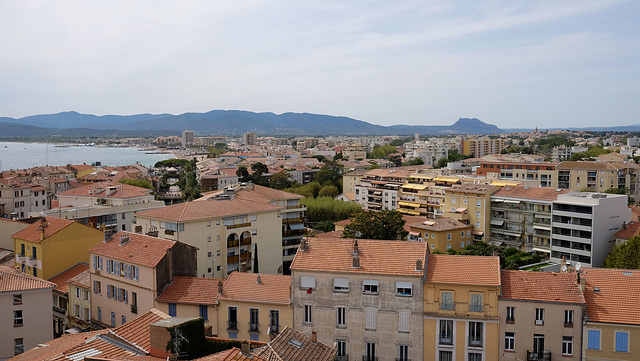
(511, 314)
(453, 200)
(477, 224)
(403, 288)
(342, 348)
(478, 214)
(448, 236)
(403, 352)
(233, 335)
(509, 341)
(113, 319)
(306, 318)
(124, 319)
(17, 318)
(445, 356)
(370, 322)
(475, 334)
(18, 346)
(254, 336)
(403, 321)
(209, 239)
(173, 310)
(446, 301)
(567, 345)
(341, 317)
(17, 299)
(209, 254)
(274, 322)
(307, 282)
(474, 356)
(461, 234)
(462, 243)
(340, 285)
(478, 203)
(448, 245)
(446, 332)
(539, 316)
(204, 312)
(568, 317)
(370, 287)
(254, 324)
(476, 302)
(233, 318)
(593, 340)
(622, 341)
(99, 314)
(468, 235)
(465, 201)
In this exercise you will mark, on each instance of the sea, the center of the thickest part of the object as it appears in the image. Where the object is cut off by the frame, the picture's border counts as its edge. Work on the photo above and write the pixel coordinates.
(28, 155)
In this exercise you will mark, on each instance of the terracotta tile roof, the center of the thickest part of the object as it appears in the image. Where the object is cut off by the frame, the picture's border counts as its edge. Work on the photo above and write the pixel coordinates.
(100, 190)
(541, 286)
(209, 209)
(536, 193)
(612, 295)
(242, 286)
(81, 280)
(629, 231)
(137, 331)
(275, 194)
(440, 225)
(61, 279)
(376, 256)
(32, 232)
(12, 280)
(281, 349)
(194, 290)
(635, 210)
(140, 249)
(463, 270)
(232, 354)
(333, 234)
(56, 347)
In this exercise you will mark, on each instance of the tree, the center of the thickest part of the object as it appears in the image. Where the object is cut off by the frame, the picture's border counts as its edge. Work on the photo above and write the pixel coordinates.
(376, 225)
(280, 180)
(442, 162)
(328, 191)
(242, 173)
(414, 161)
(142, 183)
(324, 209)
(625, 256)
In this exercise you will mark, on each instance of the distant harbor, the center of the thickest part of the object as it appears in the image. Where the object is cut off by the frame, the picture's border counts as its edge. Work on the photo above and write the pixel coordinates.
(28, 155)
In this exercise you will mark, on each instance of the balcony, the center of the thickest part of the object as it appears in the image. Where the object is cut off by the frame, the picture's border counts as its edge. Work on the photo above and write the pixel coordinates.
(475, 342)
(239, 225)
(290, 242)
(274, 329)
(342, 358)
(59, 309)
(232, 325)
(539, 356)
(445, 340)
(292, 220)
(254, 327)
(293, 233)
(243, 257)
(231, 244)
(245, 241)
(369, 358)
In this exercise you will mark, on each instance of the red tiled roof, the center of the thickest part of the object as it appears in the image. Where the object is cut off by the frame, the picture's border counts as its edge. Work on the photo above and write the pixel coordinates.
(81, 280)
(100, 190)
(280, 348)
(194, 290)
(612, 295)
(61, 279)
(56, 347)
(538, 193)
(541, 286)
(376, 256)
(242, 286)
(232, 354)
(32, 232)
(12, 280)
(631, 230)
(440, 225)
(191, 211)
(463, 270)
(140, 249)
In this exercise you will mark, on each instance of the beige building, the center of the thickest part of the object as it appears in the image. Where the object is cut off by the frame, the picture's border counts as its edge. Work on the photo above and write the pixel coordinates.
(351, 180)
(598, 176)
(442, 234)
(9, 227)
(379, 188)
(250, 138)
(129, 270)
(26, 316)
(364, 296)
(461, 307)
(61, 307)
(541, 316)
(471, 204)
(79, 312)
(482, 146)
(254, 306)
(355, 152)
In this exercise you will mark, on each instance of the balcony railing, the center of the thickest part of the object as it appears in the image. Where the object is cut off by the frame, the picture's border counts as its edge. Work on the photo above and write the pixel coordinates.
(446, 340)
(292, 220)
(475, 342)
(254, 327)
(342, 358)
(59, 309)
(369, 358)
(274, 329)
(134, 309)
(239, 225)
(232, 325)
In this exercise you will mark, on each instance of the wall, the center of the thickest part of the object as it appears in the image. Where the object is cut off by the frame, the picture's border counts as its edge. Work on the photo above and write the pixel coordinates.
(37, 317)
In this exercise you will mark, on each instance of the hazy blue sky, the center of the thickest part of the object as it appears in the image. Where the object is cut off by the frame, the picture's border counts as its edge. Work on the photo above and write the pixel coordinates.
(511, 63)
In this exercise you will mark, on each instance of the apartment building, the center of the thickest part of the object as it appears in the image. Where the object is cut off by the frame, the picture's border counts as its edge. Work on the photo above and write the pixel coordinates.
(128, 271)
(521, 217)
(461, 307)
(583, 226)
(598, 176)
(362, 295)
(61, 297)
(218, 178)
(471, 204)
(105, 205)
(541, 316)
(26, 316)
(538, 174)
(53, 245)
(356, 151)
(420, 195)
(187, 138)
(191, 297)
(79, 306)
(612, 328)
(378, 189)
(351, 179)
(254, 306)
(442, 234)
(18, 198)
(482, 146)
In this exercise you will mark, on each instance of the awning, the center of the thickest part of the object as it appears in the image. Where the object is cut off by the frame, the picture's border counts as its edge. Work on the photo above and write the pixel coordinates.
(497, 200)
(544, 228)
(422, 176)
(412, 233)
(402, 210)
(541, 250)
(393, 185)
(512, 202)
(420, 187)
(297, 226)
(497, 222)
(414, 213)
(478, 233)
(461, 210)
(496, 243)
(503, 184)
(408, 204)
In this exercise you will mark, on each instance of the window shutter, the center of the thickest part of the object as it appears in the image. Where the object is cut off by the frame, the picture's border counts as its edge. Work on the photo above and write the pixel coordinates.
(403, 322)
(371, 319)
(594, 340)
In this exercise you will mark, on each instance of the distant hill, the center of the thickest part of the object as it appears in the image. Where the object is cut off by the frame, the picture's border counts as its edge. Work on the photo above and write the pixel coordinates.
(223, 122)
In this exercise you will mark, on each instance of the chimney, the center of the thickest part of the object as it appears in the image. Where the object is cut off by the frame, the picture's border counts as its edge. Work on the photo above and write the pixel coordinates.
(258, 279)
(124, 239)
(356, 251)
(314, 336)
(581, 282)
(220, 290)
(303, 244)
(356, 262)
(418, 265)
(43, 226)
(245, 347)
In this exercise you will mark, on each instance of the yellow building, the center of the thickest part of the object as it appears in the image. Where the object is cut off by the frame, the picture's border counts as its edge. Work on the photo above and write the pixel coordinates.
(461, 318)
(471, 204)
(62, 299)
(53, 245)
(612, 329)
(442, 234)
(482, 146)
(254, 306)
(79, 313)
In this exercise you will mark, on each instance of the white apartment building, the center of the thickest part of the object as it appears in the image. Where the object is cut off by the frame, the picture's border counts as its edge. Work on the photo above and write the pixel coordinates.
(583, 226)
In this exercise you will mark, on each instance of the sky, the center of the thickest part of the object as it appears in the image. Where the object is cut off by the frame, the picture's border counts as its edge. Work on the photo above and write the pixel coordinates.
(512, 63)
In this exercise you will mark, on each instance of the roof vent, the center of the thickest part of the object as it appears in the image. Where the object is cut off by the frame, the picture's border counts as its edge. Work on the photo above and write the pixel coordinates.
(258, 279)
(596, 289)
(418, 265)
(356, 250)
(295, 343)
(626, 273)
(124, 240)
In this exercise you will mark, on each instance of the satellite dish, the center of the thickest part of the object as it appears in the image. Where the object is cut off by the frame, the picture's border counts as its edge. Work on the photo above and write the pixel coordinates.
(578, 265)
(564, 268)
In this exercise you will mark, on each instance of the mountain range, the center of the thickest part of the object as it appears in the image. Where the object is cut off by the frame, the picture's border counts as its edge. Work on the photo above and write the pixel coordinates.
(221, 122)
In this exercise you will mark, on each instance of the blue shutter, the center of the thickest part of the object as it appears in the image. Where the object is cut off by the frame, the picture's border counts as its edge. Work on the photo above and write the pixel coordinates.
(172, 310)
(594, 340)
(622, 342)
(204, 312)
